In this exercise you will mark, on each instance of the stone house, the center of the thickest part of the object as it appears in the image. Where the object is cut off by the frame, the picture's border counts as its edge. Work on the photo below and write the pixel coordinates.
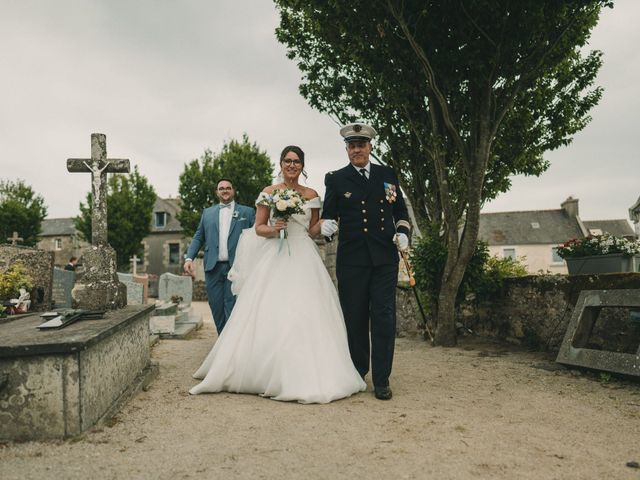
(59, 235)
(165, 246)
(534, 235)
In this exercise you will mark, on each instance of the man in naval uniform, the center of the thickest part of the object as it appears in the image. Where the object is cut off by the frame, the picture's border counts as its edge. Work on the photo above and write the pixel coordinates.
(365, 203)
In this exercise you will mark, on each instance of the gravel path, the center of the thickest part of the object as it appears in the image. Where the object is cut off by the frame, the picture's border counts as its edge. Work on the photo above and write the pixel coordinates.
(480, 410)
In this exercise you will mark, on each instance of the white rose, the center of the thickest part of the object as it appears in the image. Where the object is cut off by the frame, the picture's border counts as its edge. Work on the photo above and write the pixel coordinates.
(281, 205)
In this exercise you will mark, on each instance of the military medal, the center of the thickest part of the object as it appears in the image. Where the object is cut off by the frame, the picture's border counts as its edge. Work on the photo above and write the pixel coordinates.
(390, 192)
(347, 194)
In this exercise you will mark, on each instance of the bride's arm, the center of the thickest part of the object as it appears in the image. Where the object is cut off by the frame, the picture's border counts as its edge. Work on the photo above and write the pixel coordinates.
(262, 226)
(314, 223)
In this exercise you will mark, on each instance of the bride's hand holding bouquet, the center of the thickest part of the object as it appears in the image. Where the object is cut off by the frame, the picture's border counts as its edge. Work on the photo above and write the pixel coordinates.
(283, 203)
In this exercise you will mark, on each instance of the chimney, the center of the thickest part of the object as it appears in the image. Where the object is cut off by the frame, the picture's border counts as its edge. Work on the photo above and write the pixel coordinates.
(570, 206)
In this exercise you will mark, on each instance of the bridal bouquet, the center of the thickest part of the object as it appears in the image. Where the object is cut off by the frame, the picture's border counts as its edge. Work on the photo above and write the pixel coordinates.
(284, 203)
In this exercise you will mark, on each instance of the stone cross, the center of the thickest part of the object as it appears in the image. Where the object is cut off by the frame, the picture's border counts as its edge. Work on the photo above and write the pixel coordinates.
(134, 264)
(99, 165)
(14, 239)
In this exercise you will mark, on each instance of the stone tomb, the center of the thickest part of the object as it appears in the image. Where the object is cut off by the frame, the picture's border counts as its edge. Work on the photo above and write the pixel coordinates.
(39, 265)
(604, 332)
(59, 383)
(63, 282)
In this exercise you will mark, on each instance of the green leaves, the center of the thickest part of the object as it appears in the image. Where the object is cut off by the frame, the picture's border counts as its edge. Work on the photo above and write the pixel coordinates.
(21, 210)
(243, 163)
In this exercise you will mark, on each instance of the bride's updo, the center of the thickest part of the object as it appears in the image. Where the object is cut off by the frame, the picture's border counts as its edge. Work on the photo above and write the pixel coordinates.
(298, 151)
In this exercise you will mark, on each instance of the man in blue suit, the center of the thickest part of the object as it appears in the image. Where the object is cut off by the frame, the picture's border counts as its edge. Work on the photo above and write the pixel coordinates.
(219, 230)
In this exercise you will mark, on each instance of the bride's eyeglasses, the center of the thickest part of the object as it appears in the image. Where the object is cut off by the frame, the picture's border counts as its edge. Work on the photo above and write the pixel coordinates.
(289, 161)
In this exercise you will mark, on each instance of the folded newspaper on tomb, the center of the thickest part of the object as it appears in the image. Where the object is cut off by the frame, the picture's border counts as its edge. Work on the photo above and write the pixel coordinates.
(66, 316)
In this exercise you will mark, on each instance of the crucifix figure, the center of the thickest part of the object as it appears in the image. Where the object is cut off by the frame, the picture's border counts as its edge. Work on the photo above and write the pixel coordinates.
(14, 239)
(99, 165)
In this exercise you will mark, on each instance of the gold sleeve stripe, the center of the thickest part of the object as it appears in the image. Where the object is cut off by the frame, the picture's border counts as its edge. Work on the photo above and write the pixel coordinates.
(403, 223)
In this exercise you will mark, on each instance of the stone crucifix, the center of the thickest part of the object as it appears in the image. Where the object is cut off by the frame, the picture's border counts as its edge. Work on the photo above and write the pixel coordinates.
(99, 165)
(14, 239)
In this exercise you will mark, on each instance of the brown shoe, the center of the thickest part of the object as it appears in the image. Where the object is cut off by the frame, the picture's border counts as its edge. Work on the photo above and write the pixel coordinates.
(383, 393)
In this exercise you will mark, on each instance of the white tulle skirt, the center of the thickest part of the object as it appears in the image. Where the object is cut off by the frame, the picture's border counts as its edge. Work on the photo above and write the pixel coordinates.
(286, 337)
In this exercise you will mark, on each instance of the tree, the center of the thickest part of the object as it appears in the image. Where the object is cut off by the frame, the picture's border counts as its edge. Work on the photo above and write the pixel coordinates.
(130, 201)
(21, 210)
(248, 168)
(465, 95)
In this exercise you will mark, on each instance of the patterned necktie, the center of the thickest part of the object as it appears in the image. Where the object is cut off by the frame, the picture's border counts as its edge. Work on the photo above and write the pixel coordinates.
(363, 172)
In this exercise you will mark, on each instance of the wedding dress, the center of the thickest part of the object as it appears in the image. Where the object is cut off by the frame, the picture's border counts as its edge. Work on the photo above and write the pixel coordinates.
(285, 338)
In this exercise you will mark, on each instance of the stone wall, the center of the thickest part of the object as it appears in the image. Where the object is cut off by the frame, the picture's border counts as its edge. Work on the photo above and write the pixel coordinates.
(535, 310)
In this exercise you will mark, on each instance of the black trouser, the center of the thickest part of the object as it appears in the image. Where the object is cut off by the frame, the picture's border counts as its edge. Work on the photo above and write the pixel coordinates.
(370, 292)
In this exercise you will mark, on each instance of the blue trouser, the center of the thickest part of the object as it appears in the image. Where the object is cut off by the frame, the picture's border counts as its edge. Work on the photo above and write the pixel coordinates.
(368, 300)
(221, 300)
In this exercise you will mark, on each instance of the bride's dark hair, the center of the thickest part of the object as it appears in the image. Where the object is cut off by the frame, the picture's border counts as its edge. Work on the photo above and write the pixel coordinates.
(298, 151)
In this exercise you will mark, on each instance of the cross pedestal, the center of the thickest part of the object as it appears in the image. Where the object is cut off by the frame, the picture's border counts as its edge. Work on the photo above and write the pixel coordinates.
(99, 288)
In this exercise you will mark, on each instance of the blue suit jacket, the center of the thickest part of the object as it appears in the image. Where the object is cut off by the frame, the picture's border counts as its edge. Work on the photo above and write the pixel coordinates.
(208, 233)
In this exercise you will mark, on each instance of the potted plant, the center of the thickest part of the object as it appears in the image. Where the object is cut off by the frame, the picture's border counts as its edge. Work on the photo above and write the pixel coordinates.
(600, 254)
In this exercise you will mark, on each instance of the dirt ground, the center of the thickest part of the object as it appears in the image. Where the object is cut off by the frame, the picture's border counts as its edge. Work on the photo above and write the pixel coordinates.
(480, 410)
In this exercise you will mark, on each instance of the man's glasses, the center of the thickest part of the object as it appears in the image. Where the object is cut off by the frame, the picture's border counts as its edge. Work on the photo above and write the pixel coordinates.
(225, 189)
(288, 162)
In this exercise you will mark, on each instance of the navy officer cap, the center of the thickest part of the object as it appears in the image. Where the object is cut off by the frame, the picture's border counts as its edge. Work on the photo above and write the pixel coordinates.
(358, 132)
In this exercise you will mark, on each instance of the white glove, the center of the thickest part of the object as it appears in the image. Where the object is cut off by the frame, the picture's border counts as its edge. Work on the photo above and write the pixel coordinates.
(402, 241)
(328, 228)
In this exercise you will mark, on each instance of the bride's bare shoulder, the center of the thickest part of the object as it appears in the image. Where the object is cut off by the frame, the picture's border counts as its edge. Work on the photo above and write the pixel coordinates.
(309, 193)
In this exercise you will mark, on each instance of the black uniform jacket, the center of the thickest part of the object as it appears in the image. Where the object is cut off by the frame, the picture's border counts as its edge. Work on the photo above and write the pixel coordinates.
(368, 213)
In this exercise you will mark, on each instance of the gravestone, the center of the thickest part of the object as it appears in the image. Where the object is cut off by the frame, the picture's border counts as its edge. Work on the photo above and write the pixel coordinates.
(63, 282)
(39, 265)
(171, 286)
(139, 287)
(622, 355)
(99, 287)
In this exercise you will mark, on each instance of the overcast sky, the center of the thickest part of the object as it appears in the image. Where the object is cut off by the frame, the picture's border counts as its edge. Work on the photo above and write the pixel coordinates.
(166, 79)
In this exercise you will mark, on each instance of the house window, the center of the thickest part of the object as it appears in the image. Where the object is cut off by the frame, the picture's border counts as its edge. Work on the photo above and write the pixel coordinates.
(161, 219)
(555, 258)
(509, 253)
(57, 243)
(174, 254)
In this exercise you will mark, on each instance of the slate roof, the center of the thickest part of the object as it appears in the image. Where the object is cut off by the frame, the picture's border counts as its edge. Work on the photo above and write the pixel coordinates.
(57, 227)
(617, 228)
(519, 228)
(172, 207)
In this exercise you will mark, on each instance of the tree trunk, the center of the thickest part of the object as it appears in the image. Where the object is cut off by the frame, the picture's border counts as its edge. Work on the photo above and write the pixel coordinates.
(445, 334)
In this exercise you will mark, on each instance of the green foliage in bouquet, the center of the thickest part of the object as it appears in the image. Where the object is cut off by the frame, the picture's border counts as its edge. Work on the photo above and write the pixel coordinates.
(13, 279)
(604, 244)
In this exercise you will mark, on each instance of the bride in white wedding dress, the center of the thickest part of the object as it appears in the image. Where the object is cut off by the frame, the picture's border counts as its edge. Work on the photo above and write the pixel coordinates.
(285, 338)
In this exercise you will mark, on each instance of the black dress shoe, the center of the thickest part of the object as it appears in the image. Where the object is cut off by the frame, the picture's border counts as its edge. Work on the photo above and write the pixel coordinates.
(383, 393)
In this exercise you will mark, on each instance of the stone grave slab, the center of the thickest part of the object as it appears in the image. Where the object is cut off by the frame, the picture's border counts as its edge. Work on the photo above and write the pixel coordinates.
(39, 264)
(171, 286)
(63, 282)
(135, 290)
(61, 382)
(614, 350)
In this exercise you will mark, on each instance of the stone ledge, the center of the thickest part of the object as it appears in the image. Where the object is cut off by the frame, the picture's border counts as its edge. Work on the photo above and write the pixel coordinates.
(21, 337)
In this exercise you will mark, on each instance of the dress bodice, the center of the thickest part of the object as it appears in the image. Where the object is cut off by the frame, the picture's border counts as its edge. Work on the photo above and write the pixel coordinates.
(298, 224)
